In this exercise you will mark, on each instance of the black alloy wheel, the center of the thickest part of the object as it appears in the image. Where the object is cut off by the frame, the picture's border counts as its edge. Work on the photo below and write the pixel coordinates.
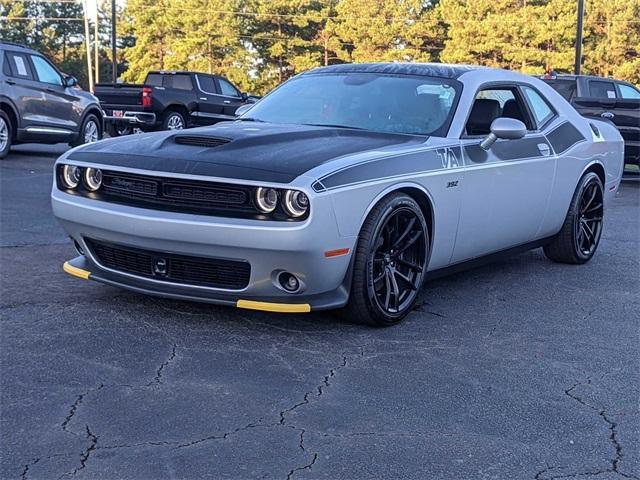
(588, 223)
(390, 264)
(580, 235)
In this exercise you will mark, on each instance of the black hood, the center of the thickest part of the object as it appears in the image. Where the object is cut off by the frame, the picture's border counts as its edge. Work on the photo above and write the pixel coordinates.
(245, 150)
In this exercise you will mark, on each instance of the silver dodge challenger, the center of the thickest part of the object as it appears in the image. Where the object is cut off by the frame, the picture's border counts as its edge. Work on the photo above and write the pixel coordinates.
(345, 188)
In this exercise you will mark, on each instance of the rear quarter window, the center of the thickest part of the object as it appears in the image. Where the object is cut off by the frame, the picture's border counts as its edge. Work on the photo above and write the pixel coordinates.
(566, 88)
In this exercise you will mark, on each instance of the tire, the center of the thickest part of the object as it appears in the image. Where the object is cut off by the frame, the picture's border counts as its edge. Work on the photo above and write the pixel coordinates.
(6, 134)
(390, 260)
(115, 130)
(90, 132)
(580, 234)
(173, 121)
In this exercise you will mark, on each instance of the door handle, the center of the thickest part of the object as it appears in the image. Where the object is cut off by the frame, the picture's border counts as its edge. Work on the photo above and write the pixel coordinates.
(203, 98)
(10, 82)
(49, 89)
(608, 115)
(227, 101)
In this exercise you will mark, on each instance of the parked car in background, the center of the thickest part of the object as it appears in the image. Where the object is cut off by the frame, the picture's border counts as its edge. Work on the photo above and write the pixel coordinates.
(608, 99)
(169, 101)
(40, 104)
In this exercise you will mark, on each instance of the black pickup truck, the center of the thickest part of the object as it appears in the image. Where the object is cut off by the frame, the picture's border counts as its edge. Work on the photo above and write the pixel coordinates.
(169, 101)
(605, 98)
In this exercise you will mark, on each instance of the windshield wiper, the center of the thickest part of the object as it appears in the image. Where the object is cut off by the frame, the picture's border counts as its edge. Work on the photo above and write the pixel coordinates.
(334, 125)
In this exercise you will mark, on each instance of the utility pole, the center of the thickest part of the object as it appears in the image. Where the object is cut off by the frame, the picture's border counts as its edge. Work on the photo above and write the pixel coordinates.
(114, 63)
(96, 39)
(87, 39)
(578, 64)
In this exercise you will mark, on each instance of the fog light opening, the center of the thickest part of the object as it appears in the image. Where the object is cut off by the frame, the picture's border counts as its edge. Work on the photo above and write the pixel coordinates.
(78, 247)
(289, 282)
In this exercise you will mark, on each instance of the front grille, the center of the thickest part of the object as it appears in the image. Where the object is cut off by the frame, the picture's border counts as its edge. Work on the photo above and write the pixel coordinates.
(169, 267)
(174, 194)
(199, 141)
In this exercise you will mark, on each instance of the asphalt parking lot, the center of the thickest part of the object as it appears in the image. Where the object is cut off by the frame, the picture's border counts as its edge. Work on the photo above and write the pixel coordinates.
(523, 369)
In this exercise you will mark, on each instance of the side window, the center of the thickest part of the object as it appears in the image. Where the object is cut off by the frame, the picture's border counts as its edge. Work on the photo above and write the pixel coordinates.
(46, 73)
(602, 89)
(19, 65)
(541, 109)
(181, 82)
(493, 103)
(627, 91)
(207, 84)
(227, 89)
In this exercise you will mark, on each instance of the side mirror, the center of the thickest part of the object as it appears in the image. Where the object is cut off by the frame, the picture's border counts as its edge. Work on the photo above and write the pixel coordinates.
(505, 128)
(244, 96)
(70, 81)
(243, 109)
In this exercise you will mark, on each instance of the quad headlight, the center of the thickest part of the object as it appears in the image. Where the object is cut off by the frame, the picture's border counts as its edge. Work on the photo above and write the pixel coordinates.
(294, 202)
(71, 176)
(266, 199)
(92, 179)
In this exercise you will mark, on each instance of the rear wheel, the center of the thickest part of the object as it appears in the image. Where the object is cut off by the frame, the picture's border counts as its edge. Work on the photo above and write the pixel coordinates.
(5, 134)
(173, 121)
(390, 262)
(580, 234)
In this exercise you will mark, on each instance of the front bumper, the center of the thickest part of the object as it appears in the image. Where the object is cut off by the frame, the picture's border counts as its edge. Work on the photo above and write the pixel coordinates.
(270, 247)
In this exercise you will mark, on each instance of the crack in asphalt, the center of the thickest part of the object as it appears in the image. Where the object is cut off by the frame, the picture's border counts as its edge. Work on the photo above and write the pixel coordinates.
(316, 392)
(157, 380)
(74, 407)
(86, 453)
(308, 466)
(26, 467)
(613, 438)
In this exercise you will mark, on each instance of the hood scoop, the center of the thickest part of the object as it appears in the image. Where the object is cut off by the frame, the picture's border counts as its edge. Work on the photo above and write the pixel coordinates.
(200, 141)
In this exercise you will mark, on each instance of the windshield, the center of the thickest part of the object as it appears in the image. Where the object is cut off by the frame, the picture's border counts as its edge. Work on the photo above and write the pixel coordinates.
(381, 103)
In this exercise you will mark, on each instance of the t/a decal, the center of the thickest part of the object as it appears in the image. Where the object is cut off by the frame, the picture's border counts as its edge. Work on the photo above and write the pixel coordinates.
(448, 157)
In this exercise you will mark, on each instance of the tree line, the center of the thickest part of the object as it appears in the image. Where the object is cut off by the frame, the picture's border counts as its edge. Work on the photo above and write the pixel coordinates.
(260, 43)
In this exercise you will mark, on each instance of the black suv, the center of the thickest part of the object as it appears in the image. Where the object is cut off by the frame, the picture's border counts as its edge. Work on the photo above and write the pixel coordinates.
(40, 104)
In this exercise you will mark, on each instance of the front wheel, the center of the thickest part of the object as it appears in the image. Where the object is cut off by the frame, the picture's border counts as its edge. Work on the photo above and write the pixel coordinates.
(390, 262)
(90, 131)
(580, 235)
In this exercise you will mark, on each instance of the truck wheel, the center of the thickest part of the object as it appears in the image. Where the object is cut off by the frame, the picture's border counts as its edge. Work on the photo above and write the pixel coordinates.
(5, 134)
(580, 234)
(173, 121)
(118, 130)
(90, 132)
(390, 262)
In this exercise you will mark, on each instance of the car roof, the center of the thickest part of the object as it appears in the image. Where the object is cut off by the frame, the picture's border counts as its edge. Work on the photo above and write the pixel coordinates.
(16, 47)
(442, 70)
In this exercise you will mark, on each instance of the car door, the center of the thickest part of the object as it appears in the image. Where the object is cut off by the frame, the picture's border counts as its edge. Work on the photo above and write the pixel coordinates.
(23, 87)
(56, 107)
(507, 187)
(210, 102)
(231, 97)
